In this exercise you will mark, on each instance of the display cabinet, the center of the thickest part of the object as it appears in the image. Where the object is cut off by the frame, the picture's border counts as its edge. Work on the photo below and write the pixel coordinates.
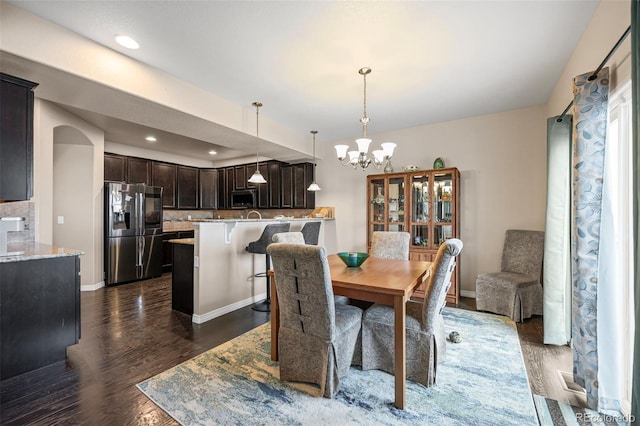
(424, 203)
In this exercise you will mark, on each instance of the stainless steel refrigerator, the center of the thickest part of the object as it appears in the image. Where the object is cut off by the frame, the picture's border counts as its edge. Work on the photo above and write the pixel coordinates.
(133, 232)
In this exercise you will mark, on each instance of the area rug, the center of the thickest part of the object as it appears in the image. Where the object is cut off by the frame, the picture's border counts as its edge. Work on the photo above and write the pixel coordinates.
(483, 381)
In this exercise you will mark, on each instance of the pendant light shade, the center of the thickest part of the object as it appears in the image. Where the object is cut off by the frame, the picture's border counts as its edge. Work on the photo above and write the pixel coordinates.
(314, 186)
(257, 177)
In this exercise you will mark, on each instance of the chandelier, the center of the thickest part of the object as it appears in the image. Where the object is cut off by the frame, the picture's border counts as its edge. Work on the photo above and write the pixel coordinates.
(257, 177)
(361, 158)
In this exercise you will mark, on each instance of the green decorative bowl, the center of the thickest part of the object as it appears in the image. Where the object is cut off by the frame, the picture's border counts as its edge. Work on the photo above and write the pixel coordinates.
(353, 258)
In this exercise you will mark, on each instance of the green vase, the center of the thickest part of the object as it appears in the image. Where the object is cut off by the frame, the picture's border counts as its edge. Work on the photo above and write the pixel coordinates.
(438, 163)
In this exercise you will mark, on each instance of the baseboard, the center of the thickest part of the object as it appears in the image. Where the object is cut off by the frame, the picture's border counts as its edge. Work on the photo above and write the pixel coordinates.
(469, 294)
(92, 287)
(199, 319)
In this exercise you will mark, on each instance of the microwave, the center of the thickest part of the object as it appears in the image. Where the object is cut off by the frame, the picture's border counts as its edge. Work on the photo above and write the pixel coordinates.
(243, 199)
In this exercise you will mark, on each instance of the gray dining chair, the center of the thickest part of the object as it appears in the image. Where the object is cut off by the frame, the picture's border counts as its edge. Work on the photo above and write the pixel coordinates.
(317, 337)
(424, 325)
(288, 237)
(390, 245)
(515, 291)
(311, 232)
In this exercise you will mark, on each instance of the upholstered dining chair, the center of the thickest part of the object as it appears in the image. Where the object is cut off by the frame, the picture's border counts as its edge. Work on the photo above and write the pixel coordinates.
(317, 337)
(515, 291)
(390, 245)
(288, 238)
(424, 325)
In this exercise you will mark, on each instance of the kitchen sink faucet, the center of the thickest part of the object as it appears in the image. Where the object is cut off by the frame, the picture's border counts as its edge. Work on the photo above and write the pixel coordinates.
(256, 212)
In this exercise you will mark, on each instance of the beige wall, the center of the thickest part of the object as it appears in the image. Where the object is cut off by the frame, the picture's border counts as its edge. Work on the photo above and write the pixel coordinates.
(609, 22)
(502, 163)
(47, 118)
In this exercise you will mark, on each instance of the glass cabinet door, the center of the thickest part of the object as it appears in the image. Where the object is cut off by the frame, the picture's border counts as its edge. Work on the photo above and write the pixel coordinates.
(378, 205)
(420, 210)
(442, 208)
(396, 204)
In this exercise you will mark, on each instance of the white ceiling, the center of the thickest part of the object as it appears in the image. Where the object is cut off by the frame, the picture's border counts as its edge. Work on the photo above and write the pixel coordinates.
(432, 61)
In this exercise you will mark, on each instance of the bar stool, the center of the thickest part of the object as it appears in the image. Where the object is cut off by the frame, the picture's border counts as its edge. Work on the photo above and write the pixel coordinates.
(260, 247)
(310, 232)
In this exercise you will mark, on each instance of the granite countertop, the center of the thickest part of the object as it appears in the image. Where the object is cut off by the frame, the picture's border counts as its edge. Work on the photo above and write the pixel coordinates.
(186, 241)
(255, 219)
(33, 250)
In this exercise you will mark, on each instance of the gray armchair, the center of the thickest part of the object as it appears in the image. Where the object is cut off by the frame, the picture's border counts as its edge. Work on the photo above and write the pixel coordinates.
(424, 325)
(317, 337)
(515, 291)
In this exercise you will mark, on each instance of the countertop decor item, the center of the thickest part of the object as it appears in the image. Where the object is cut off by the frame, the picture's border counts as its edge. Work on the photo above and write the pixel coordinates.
(438, 163)
(410, 168)
(361, 156)
(353, 258)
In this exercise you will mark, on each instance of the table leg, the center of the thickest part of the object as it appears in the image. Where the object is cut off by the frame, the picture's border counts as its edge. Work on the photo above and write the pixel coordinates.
(400, 350)
(275, 318)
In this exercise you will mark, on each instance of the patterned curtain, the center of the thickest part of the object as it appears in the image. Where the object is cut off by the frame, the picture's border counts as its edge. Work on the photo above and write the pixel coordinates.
(589, 136)
(635, 105)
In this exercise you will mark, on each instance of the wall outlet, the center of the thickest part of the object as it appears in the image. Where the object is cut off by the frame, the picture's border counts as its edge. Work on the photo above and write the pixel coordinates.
(60, 220)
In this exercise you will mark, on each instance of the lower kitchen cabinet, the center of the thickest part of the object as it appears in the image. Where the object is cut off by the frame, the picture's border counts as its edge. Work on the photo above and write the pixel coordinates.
(39, 312)
(182, 277)
(167, 254)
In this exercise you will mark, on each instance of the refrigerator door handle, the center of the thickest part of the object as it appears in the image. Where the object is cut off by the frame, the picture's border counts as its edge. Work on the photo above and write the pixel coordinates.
(140, 213)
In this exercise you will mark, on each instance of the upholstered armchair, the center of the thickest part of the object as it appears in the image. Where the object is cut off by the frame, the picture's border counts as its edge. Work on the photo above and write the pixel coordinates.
(515, 291)
(424, 325)
(317, 337)
(390, 245)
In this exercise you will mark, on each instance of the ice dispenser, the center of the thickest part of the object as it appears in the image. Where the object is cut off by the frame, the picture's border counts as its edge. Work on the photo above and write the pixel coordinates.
(9, 224)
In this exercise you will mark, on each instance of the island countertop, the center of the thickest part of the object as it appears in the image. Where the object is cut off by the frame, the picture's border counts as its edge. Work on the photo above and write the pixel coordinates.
(33, 250)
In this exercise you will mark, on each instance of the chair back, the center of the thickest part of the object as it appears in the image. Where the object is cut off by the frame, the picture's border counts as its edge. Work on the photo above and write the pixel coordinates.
(311, 232)
(390, 245)
(260, 245)
(289, 238)
(439, 281)
(523, 252)
(305, 294)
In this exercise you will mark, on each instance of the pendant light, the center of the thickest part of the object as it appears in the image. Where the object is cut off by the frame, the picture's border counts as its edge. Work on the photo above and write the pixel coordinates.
(314, 186)
(257, 177)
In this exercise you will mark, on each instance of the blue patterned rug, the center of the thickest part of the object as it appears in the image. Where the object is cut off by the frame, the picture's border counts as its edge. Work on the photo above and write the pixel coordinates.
(482, 382)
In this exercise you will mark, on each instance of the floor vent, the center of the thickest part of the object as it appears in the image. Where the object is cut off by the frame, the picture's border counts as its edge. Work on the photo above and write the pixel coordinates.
(566, 379)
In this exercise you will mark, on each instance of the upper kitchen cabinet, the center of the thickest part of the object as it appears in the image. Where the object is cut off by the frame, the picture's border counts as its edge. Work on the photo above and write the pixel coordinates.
(273, 183)
(294, 181)
(165, 175)
(16, 138)
(138, 170)
(187, 187)
(209, 181)
(240, 177)
(115, 167)
(286, 187)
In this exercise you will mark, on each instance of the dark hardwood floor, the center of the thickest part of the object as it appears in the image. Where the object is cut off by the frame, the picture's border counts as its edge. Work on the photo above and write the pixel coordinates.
(130, 333)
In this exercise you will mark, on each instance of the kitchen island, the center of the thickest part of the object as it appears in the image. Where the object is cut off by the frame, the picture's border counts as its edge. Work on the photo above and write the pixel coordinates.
(223, 271)
(39, 306)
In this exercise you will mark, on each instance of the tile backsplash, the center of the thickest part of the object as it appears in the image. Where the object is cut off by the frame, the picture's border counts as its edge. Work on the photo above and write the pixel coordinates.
(24, 209)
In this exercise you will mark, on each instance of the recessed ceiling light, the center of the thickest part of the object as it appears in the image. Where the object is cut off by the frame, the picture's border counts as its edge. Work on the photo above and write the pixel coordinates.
(151, 138)
(212, 152)
(126, 41)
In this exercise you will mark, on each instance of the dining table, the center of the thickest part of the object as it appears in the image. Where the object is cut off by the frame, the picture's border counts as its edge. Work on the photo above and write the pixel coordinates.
(388, 281)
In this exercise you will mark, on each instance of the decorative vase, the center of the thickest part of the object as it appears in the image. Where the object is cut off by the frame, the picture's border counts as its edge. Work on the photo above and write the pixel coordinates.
(438, 163)
(388, 168)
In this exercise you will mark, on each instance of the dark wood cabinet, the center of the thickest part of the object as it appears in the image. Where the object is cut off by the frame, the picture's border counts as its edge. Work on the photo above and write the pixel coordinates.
(115, 167)
(187, 187)
(138, 170)
(240, 177)
(302, 178)
(164, 175)
(16, 138)
(40, 313)
(182, 278)
(286, 187)
(262, 189)
(229, 187)
(209, 188)
(295, 179)
(167, 251)
(273, 183)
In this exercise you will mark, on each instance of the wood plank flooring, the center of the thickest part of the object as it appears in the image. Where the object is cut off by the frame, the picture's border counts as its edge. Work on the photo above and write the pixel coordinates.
(130, 333)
